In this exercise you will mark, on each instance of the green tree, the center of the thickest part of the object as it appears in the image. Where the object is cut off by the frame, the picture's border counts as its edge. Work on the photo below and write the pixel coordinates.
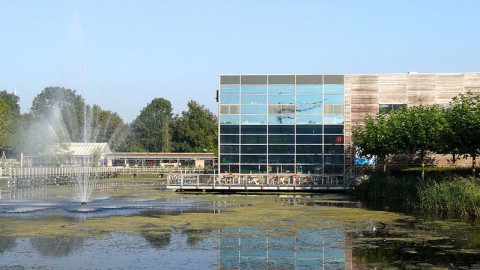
(463, 116)
(61, 108)
(9, 116)
(374, 138)
(195, 130)
(151, 129)
(416, 130)
(107, 126)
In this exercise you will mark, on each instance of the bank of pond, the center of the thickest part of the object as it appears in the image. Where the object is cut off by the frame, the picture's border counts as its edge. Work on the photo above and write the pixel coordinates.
(442, 193)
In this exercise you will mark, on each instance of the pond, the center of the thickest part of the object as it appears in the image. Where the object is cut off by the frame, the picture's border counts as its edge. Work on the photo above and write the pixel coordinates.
(149, 228)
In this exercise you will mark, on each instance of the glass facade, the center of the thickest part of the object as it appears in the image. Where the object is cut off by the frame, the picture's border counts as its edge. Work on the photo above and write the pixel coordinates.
(290, 124)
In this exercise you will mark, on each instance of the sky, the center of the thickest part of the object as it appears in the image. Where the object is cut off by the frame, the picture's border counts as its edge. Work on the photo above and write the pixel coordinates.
(121, 55)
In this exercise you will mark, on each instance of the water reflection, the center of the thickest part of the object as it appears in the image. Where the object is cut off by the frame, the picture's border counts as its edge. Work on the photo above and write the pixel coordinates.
(7, 243)
(157, 240)
(308, 249)
(56, 246)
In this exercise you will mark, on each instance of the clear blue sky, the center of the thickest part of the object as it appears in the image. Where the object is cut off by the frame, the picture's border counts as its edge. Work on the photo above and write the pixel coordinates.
(122, 54)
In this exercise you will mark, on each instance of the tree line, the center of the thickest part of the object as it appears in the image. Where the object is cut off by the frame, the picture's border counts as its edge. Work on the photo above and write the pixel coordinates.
(422, 129)
(60, 115)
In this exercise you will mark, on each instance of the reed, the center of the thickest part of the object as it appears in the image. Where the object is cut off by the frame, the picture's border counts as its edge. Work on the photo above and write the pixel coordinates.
(458, 198)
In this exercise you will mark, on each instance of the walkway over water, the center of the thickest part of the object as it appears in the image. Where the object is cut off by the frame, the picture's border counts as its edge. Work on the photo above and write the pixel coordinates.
(256, 182)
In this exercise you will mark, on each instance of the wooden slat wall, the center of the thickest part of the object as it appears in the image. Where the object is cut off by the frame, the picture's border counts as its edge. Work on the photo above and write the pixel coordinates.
(364, 93)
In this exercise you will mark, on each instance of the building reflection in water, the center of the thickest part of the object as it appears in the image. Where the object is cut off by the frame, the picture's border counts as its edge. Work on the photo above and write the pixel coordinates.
(308, 249)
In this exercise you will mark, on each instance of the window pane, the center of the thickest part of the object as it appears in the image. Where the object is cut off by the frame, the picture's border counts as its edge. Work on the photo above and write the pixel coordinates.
(254, 89)
(333, 159)
(254, 129)
(229, 99)
(309, 109)
(333, 139)
(280, 139)
(229, 159)
(254, 149)
(333, 109)
(254, 119)
(335, 89)
(281, 99)
(309, 100)
(333, 119)
(281, 149)
(309, 149)
(330, 99)
(281, 89)
(281, 129)
(233, 139)
(229, 129)
(229, 119)
(229, 149)
(333, 149)
(314, 169)
(252, 100)
(309, 139)
(336, 129)
(229, 168)
(309, 129)
(254, 139)
(309, 89)
(230, 89)
(281, 119)
(309, 159)
(254, 159)
(253, 169)
(254, 109)
(309, 119)
(281, 159)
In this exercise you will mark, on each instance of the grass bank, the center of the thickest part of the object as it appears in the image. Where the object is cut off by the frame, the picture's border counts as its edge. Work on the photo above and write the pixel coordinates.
(445, 196)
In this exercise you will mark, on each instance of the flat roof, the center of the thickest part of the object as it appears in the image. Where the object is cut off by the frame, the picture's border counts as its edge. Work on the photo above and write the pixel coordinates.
(161, 155)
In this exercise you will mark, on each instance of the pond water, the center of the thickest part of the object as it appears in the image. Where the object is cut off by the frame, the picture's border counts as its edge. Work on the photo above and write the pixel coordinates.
(149, 228)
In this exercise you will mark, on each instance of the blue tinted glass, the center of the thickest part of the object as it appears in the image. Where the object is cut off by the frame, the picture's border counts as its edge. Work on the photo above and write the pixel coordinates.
(335, 89)
(333, 119)
(254, 149)
(333, 149)
(281, 119)
(309, 119)
(229, 158)
(280, 139)
(229, 129)
(230, 89)
(309, 159)
(229, 119)
(254, 89)
(229, 149)
(331, 99)
(309, 129)
(254, 159)
(281, 159)
(254, 139)
(309, 149)
(254, 119)
(333, 129)
(309, 89)
(254, 109)
(281, 129)
(260, 99)
(249, 169)
(309, 99)
(309, 139)
(229, 99)
(281, 149)
(254, 129)
(281, 89)
(229, 139)
(281, 99)
(333, 159)
(309, 109)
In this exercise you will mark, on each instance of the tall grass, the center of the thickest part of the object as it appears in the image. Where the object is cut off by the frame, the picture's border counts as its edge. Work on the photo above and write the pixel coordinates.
(459, 198)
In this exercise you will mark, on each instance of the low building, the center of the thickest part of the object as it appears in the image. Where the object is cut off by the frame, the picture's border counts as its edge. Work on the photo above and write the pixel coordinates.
(197, 160)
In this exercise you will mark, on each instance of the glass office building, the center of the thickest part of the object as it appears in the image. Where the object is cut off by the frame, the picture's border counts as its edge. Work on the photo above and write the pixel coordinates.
(281, 124)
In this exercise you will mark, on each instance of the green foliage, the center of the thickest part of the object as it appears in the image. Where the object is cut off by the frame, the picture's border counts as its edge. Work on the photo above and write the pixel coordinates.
(107, 126)
(195, 130)
(151, 129)
(374, 138)
(9, 116)
(453, 199)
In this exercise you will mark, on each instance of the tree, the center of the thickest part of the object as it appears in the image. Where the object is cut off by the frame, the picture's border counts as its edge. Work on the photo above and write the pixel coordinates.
(416, 130)
(374, 138)
(9, 116)
(107, 126)
(61, 108)
(151, 129)
(195, 130)
(463, 116)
